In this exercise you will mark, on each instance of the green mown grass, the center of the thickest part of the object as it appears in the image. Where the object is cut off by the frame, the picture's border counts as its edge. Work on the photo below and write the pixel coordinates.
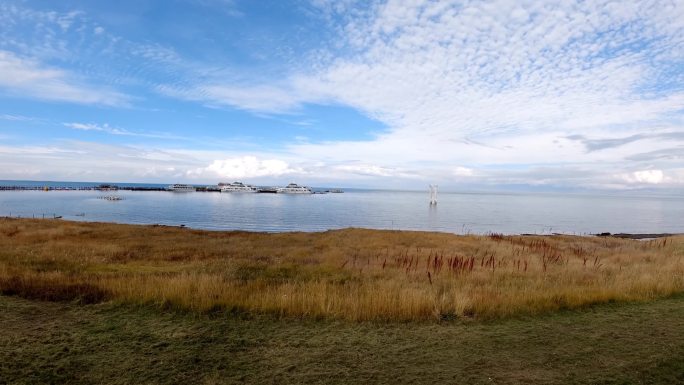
(48, 342)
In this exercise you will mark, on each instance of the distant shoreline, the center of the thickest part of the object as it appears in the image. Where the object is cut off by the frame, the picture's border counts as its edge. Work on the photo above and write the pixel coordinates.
(637, 236)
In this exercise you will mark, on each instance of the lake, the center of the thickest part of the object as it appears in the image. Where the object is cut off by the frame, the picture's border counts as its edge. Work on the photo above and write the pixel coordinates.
(461, 213)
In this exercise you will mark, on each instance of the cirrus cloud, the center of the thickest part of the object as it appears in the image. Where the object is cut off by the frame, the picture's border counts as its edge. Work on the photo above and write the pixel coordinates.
(27, 78)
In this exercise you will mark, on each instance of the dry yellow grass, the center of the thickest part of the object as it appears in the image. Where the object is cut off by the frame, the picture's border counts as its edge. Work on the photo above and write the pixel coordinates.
(352, 274)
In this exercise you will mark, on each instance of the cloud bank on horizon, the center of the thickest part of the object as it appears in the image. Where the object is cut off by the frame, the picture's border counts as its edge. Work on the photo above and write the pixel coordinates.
(570, 95)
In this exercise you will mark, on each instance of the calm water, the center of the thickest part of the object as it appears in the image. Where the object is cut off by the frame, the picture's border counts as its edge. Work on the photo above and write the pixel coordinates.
(455, 212)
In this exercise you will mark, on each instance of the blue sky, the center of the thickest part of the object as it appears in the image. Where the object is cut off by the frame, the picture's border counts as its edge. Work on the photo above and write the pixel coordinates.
(466, 94)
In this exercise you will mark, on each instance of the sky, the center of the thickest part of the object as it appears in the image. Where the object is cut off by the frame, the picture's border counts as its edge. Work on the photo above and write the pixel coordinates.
(585, 95)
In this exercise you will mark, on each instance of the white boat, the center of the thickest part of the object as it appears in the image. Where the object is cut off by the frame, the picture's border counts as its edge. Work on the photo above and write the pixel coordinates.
(294, 188)
(179, 187)
(238, 187)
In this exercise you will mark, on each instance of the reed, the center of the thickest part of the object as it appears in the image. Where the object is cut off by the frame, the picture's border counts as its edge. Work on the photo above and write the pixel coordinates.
(354, 274)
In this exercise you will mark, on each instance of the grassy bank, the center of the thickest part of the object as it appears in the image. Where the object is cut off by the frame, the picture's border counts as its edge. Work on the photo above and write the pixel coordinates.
(47, 342)
(351, 274)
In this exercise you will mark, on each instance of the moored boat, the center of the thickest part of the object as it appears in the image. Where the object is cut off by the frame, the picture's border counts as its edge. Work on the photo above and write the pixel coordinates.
(179, 187)
(294, 188)
(238, 187)
(268, 190)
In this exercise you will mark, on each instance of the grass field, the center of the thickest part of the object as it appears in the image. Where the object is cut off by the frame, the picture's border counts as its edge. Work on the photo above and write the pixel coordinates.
(351, 274)
(89, 303)
(47, 342)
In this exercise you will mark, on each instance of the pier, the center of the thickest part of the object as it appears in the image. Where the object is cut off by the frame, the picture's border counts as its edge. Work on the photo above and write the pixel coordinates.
(83, 188)
(262, 190)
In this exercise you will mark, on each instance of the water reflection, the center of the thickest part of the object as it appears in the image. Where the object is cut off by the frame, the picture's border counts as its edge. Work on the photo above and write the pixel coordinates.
(433, 219)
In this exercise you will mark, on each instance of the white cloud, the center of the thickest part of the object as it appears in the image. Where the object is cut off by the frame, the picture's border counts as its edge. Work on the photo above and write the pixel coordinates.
(65, 20)
(463, 171)
(27, 78)
(16, 118)
(255, 98)
(244, 167)
(447, 73)
(90, 161)
(366, 169)
(645, 176)
(88, 126)
(106, 128)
